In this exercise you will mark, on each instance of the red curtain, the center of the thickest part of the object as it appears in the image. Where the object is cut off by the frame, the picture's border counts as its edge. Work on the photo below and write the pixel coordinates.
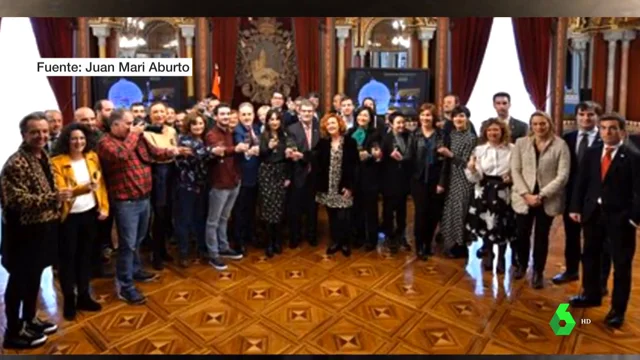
(533, 41)
(307, 38)
(54, 37)
(469, 39)
(225, 51)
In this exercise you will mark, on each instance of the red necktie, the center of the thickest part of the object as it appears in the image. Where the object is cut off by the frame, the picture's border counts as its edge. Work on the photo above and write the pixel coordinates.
(606, 162)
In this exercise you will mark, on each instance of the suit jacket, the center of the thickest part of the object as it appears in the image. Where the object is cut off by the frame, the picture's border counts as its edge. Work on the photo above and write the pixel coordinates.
(519, 129)
(551, 173)
(348, 167)
(396, 177)
(619, 192)
(300, 168)
(248, 166)
(65, 178)
(571, 138)
(368, 171)
(418, 154)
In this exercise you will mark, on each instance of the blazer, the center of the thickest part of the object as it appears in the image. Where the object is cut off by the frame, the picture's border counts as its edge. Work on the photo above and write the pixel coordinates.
(519, 129)
(396, 176)
(64, 178)
(368, 171)
(418, 154)
(323, 163)
(571, 138)
(619, 192)
(300, 167)
(248, 166)
(551, 174)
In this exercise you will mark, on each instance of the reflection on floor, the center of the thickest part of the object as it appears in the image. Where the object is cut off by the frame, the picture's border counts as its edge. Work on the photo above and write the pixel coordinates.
(304, 302)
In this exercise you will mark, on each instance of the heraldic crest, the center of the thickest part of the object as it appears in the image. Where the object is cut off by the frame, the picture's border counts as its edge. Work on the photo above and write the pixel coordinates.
(266, 60)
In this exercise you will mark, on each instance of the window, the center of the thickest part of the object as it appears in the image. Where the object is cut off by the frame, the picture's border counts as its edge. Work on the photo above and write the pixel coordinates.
(500, 71)
(24, 92)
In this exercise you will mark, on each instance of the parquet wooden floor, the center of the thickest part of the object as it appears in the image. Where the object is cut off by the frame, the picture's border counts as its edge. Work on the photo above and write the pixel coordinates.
(304, 302)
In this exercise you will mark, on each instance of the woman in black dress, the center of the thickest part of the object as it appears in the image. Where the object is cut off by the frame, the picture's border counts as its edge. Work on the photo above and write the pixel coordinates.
(274, 176)
(336, 158)
(367, 182)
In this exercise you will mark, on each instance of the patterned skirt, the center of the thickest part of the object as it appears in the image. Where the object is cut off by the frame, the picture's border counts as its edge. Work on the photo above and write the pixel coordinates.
(490, 215)
(272, 193)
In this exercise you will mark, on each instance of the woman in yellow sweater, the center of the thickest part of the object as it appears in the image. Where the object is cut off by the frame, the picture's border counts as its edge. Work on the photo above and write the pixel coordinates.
(162, 190)
(77, 167)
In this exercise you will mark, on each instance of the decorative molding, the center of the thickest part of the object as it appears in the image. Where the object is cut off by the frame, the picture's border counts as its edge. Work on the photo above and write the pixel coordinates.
(597, 24)
(364, 25)
(120, 21)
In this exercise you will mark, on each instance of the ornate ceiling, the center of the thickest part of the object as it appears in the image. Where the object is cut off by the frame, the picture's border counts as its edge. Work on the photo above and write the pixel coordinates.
(361, 27)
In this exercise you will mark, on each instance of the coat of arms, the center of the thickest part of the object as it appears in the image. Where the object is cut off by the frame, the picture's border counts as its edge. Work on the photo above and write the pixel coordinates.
(266, 60)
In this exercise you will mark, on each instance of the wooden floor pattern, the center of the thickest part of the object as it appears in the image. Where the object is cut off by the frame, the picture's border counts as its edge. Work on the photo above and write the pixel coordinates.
(304, 302)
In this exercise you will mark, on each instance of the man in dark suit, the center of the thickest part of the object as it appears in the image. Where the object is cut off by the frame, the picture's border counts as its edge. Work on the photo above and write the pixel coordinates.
(606, 200)
(449, 102)
(502, 104)
(306, 134)
(579, 141)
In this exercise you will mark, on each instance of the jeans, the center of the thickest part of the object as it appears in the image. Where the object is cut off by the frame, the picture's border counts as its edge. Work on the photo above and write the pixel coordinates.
(190, 217)
(221, 203)
(132, 222)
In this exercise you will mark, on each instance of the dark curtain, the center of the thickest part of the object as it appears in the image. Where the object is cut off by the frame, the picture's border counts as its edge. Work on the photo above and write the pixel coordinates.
(54, 37)
(469, 39)
(225, 51)
(286, 24)
(533, 41)
(307, 38)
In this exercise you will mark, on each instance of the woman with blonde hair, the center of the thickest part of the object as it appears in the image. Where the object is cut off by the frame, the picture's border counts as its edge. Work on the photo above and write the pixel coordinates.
(490, 215)
(540, 170)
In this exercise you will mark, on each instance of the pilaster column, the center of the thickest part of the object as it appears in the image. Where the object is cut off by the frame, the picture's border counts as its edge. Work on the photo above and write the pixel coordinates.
(627, 37)
(612, 38)
(342, 33)
(579, 43)
(202, 58)
(102, 32)
(82, 51)
(425, 34)
(188, 32)
(442, 60)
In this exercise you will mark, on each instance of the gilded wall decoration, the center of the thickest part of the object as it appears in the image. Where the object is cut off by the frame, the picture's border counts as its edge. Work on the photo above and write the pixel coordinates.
(266, 61)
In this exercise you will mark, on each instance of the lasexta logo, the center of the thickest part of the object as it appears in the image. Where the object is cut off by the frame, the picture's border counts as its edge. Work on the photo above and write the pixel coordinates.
(560, 315)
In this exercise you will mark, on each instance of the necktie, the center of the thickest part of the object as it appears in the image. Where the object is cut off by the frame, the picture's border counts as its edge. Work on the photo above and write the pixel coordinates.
(584, 144)
(606, 162)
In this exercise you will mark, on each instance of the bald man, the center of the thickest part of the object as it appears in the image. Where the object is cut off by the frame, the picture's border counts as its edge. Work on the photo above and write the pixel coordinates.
(87, 116)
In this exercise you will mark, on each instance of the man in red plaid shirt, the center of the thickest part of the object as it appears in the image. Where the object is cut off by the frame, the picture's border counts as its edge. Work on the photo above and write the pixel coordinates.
(126, 157)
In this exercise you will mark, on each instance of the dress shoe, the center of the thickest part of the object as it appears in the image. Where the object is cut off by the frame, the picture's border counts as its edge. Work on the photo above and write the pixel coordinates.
(86, 303)
(333, 249)
(346, 250)
(520, 272)
(565, 277)
(582, 301)
(537, 281)
(268, 252)
(614, 319)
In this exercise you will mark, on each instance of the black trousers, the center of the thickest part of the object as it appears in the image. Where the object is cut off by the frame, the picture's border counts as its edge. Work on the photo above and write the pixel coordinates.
(78, 234)
(428, 211)
(365, 214)
(524, 225)
(160, 230)
(622, 245)
(339, 224)
(244, 212)
(394, 216)
(573, 249)
(302, 203)
(22, 289)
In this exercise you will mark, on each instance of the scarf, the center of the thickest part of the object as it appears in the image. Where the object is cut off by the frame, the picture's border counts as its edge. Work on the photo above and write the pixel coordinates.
(359, 136)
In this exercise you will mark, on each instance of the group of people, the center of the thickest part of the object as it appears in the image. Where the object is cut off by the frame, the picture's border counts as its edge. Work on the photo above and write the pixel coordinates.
(159, 174)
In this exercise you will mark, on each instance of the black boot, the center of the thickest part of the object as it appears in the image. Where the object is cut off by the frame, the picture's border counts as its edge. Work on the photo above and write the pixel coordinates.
(69, 311)
(271, 234)
(500, 268)
(86, 303)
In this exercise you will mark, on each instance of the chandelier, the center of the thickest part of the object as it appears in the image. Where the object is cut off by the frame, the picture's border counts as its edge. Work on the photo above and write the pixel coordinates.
(130, 36)
(400, 40)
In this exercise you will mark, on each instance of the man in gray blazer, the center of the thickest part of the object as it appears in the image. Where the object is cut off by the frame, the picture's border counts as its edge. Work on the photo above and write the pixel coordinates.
(502, 104)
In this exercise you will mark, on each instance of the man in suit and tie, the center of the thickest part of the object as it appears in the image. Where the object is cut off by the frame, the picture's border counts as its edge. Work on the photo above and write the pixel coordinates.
(54, 117)
(502, 104)
(606, 200)
(346, 110)
(302, 202)
(587, 113)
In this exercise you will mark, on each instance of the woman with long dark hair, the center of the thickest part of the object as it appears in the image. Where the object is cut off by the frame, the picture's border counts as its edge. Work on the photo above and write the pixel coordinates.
(76, 166)
(336, 158)
(367, 181)
(274, 177)
(428, 180)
